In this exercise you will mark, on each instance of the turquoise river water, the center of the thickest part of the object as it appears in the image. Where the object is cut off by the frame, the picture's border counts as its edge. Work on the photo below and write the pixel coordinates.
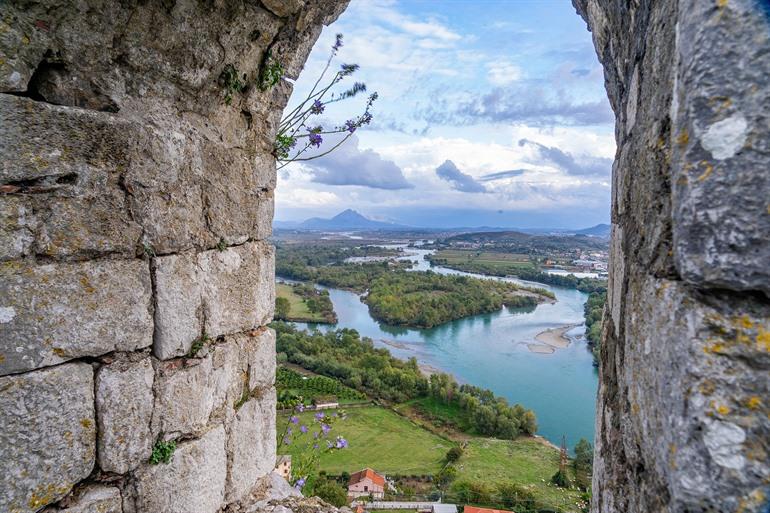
(490, 351)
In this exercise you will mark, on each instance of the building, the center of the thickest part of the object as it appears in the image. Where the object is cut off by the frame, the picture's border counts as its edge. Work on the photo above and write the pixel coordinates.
(474, 509)
(283, 466)
(326, 402)
(365, 483)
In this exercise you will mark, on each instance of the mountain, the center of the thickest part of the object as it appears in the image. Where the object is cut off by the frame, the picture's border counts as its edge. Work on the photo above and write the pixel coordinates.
(348, 220)
(600, 230)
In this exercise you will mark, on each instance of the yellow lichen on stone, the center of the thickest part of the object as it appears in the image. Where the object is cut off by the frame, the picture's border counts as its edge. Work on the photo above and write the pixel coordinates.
(744, 322)
(87, 285)
(683, 138)
(754, 402)
(707, 172)
(723, 409)
(86, 423)
(763, 339)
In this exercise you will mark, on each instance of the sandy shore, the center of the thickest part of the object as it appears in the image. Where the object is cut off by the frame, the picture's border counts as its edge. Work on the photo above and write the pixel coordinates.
(540, 348)
(551, 339)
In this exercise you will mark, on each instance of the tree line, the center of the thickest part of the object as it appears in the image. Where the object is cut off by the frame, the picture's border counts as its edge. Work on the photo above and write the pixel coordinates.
(342, 354)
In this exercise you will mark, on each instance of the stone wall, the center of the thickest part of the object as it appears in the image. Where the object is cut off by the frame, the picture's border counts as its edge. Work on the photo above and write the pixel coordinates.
(684, 402)
(136, 279)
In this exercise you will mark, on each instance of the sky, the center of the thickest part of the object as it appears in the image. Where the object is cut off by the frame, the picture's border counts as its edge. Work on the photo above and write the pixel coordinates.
(490, 113)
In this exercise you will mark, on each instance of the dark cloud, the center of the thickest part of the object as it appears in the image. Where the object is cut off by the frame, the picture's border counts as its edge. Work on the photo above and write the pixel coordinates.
(350, 165)
(501, 174)
(531, 102)
(568, 163)
(459, 180)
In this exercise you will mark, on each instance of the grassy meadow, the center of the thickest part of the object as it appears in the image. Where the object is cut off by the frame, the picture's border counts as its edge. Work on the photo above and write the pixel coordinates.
(298, 308)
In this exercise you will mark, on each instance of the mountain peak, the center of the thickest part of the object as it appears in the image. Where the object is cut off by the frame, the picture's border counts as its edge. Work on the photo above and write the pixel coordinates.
(349, 214)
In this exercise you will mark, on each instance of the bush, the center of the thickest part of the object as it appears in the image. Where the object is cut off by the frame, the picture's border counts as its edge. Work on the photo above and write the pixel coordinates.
(331, 492)
(454, 454)
(561, 479)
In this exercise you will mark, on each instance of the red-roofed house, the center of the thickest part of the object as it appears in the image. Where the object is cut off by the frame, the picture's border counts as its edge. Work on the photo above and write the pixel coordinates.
(474, 509)
(366, 482)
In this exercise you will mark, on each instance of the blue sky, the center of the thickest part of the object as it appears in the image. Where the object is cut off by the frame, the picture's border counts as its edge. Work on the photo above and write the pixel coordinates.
(490, 112)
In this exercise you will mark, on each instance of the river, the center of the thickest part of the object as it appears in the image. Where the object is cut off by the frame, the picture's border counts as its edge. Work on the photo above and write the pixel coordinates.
(490, 351)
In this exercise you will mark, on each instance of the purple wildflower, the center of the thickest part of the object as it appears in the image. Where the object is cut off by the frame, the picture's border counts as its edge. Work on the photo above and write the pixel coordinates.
(294, 419)
(315, 446)
(300, 483)
(341, 443)
(288, 430)
(329, 445)
(350, 126)
(319, 416)
(315, 434)
(337, 43)
(303, 428)
(317, 107)
(300, 407)
(286, 440)
(316, 140)
(326, 428)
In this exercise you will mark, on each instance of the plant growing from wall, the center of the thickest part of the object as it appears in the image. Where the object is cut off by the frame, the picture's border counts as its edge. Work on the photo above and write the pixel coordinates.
(162, 452)
(298, 133)
(197, 345)
(232, 82)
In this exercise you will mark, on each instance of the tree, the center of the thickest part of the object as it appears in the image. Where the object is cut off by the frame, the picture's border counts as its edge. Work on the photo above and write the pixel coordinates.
(583, 463)
(282, 308)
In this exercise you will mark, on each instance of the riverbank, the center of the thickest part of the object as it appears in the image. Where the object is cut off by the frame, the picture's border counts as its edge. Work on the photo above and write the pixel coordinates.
(552, 339)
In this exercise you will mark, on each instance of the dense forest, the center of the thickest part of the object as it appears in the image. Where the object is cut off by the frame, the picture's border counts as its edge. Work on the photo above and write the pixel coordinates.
(484, 412)
(426, 299)
(342, 354)
(397, 297)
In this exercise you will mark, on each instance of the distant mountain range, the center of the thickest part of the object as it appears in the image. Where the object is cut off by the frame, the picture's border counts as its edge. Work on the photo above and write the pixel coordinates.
(346, 220)
(350, 220)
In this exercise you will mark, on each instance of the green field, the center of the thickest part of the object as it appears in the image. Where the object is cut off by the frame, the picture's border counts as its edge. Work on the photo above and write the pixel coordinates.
(299, 311)
(387, 442)
(474, 259)
(526, 461)
(382, 440)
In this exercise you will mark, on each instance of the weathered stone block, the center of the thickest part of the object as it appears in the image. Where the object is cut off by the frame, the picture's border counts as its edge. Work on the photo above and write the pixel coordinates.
(260, 352)
(53, 313)
(216, 292)
(178, 305)
(185, 397)
(251, 445)
(234, 177)
(194, 480)
(721, 184)
(124, 403)
(72, 183)
(238, 287)
(93, 499)
(47, 435)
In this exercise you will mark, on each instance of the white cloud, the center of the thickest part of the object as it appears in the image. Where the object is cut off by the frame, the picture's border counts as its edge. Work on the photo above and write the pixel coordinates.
(503, 73)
